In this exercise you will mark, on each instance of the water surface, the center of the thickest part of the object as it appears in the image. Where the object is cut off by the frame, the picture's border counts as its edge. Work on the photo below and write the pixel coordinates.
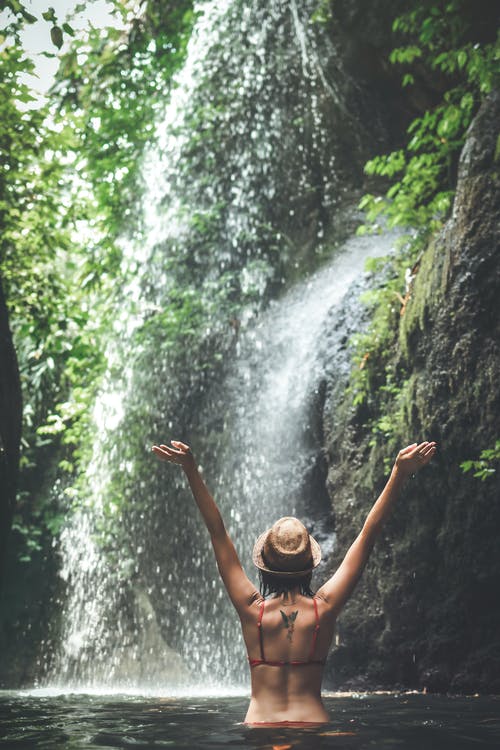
(43, 720)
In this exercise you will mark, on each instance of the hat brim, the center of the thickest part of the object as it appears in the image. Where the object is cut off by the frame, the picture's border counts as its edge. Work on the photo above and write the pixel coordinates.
(259, 563)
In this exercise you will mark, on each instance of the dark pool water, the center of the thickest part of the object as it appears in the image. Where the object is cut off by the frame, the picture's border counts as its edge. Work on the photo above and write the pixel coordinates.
(410, 721)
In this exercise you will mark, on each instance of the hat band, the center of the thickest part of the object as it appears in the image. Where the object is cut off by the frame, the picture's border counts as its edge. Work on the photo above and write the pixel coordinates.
(271, 565)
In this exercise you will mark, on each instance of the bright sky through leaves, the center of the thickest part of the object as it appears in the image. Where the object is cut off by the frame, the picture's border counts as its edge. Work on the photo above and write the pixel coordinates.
(36, 37)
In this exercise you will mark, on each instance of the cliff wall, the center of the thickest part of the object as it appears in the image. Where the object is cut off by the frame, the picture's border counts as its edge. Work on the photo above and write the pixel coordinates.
(426, 613)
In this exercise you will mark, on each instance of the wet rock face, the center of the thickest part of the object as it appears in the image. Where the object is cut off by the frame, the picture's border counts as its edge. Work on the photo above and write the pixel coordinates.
(426, 613)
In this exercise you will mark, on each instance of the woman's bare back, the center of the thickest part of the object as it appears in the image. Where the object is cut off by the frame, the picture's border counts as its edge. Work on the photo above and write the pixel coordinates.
(286, 655)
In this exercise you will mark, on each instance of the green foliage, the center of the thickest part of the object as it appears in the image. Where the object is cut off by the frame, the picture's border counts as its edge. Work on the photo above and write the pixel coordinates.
(422, 174)
(486, 465)
(442, 46)
(69, 177)
(111, 85)
(43, 265)
(323, 12)
(374, 350)
(36, 239)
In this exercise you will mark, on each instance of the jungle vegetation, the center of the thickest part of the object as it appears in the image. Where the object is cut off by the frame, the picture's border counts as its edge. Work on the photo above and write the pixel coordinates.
(444, 45)
(69, 177)
(70, 174)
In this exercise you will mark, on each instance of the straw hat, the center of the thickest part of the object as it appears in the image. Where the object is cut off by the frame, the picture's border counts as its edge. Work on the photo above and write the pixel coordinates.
(286, 549)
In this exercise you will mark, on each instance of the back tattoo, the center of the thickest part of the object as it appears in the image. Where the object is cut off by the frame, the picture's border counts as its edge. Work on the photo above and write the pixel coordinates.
(289, 622)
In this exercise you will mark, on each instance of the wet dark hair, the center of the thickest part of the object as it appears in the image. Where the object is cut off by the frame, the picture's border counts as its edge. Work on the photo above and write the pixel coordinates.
(273, 584)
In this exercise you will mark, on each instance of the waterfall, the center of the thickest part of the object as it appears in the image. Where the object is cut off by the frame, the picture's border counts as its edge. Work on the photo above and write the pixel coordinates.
(234, 218)
(97, 643)
(269, 443)
(279, 369)
(267, 455)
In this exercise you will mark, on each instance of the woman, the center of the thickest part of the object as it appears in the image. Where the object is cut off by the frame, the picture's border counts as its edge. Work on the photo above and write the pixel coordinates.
(288, 635)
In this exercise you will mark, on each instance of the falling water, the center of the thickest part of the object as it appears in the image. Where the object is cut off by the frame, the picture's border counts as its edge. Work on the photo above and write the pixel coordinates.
(270, 445)
(277, 376)
(96, 646)
(266, 458)
(144, 605)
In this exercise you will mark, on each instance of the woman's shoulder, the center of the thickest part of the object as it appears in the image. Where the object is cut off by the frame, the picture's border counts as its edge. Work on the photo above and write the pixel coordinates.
(252, 606)
(325, 609)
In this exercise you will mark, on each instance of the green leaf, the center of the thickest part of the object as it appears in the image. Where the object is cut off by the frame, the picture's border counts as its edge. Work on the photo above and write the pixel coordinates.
(462, 58)
(28, 17)
(50, 15)
(56, 36)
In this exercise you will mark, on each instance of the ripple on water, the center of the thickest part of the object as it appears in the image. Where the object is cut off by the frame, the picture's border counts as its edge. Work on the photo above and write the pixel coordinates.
(48, 721)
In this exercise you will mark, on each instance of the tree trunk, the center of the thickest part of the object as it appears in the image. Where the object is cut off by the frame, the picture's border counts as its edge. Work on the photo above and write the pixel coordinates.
(10, 428)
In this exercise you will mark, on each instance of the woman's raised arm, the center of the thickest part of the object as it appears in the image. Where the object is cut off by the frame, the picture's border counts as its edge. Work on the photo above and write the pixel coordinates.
(240, 589)
(337, 590)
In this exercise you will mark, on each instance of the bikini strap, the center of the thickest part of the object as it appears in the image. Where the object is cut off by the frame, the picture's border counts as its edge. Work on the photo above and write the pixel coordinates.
(259, 625)
(316, 629)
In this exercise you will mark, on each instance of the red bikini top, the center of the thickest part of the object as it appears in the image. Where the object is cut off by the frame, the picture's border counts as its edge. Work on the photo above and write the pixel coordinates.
(295, 663)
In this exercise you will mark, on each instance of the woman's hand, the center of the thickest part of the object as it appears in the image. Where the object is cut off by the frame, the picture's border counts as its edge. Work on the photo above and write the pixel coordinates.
(412, 458)
(176, 453)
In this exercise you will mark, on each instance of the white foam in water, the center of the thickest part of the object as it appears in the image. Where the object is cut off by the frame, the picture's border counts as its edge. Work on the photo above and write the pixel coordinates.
(170, 692)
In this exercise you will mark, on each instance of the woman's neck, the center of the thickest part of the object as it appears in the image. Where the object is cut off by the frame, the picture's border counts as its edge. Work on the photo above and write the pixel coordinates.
(289, 597)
